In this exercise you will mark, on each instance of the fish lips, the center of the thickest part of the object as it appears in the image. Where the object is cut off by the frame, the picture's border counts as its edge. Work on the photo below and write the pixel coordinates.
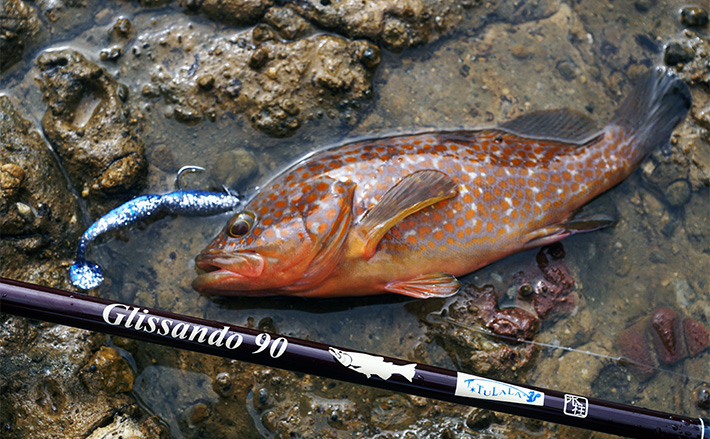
(222, 271)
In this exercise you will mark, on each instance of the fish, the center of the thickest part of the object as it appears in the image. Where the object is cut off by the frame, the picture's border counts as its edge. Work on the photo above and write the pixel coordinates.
(409, 214)
(369, 365)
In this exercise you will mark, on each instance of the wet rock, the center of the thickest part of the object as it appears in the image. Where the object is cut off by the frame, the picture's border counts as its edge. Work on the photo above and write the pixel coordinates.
(392, 412)
(473, 307)
(480, 419)
(676, 53)
(238, 12)
(279, 85)
(39, 218)
(678, 193)
(396, 25)
(634, 346)
(661, 338)
(123, 27)
(91, 129)
(667, 333)
(223, 385)
(125, 425)
(550, 290)
(287, 23)
(567, 69)
(234, 169)
(697, 337)
(694, 16)
(107, 372)
(53, 403)
(702, 399)
(19, 26)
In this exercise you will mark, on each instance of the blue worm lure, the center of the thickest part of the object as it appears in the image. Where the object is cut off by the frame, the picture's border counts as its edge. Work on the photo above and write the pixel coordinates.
(86, 274)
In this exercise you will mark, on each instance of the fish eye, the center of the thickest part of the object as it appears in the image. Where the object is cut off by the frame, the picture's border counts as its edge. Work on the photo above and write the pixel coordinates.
(241, 224)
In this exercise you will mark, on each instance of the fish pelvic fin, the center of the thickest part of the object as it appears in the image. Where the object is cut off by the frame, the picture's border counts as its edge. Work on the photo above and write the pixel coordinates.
(653, 109)
(426, 286)
(413, 193)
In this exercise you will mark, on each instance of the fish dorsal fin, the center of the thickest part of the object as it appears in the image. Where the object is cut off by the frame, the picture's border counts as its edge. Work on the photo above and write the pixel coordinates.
(414, 192)
(328, 221)
(565, 125)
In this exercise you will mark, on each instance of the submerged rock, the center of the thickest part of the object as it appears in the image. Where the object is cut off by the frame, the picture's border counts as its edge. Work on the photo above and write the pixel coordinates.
(662, 338)
(92, 129)
(19, 26)
(279, 85)
(39, 218)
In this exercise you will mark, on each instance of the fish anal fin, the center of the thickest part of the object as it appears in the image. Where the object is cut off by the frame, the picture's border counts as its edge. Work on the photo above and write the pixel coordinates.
(426, 286)
(545, 236)
(564, 125)
(597, 215)
(413, 193)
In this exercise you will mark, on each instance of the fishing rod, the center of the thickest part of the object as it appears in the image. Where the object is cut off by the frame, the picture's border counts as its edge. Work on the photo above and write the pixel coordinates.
(272, 350)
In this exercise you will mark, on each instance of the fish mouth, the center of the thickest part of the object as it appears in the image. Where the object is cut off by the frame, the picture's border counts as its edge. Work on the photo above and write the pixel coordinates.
(218, 272)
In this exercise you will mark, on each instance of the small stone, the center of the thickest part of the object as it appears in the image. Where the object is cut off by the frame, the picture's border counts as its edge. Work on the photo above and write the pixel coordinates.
(677, 53)
(567, 69)
(697, 337)
(198, 413)
(234, 168)
(107, 371)
(643, 5)
(703, 399)
(162, 157)
(111, 54)
(262, 33)
(678, 193)
(479, 419)
(667, 336)
(205, 82)
(223, 385)
(187, 115)
(694, 16)
(258, 58)
(634, 347)
(123, 27)
(370, 56)
(521, 52)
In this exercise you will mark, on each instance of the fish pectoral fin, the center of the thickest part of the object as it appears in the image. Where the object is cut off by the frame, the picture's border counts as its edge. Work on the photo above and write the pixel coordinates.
(413, 193)
(426, 286)
(563, 124)
(594, 216)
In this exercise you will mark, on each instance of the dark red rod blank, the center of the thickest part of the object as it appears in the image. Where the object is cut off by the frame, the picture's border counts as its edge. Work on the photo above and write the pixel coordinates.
(225, 340)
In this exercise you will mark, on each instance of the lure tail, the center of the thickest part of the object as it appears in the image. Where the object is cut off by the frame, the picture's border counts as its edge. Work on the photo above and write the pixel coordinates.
(653, 109)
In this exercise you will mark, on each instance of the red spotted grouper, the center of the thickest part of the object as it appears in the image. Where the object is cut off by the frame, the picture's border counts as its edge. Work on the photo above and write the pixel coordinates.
(407, 214)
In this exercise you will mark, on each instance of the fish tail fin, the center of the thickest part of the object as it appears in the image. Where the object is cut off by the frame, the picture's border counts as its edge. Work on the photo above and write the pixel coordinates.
(653, 109)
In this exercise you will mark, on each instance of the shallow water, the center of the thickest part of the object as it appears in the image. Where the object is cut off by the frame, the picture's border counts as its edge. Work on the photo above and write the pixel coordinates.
(489, 68)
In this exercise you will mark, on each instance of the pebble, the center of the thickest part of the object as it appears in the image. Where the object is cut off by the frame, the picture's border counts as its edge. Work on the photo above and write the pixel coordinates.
(678, 193)
(677, 53)
(703, 399)
(223, 385)
(694, 16)
(234, 168)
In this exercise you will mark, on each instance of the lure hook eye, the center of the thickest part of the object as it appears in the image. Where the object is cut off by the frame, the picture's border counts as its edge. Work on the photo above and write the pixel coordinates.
(241, 224)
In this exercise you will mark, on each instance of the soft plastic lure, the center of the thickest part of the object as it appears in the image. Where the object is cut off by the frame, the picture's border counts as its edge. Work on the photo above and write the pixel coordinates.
(85, 274)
